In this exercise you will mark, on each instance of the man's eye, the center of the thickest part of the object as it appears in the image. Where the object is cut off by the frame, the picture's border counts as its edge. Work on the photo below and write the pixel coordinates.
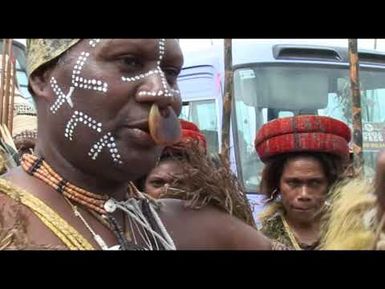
(131, 63)
(171, 71)
(171, 74)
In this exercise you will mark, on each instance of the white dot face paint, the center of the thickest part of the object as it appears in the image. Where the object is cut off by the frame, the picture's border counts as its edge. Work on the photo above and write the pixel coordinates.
(167, 91)
(79, 81)
(87, 83)
(61, 98)
(93, 42)
(105, 142)
(83, 119)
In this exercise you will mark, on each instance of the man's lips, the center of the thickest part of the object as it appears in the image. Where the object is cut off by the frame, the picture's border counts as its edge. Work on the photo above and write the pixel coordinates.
(141, 124)
(139, 132)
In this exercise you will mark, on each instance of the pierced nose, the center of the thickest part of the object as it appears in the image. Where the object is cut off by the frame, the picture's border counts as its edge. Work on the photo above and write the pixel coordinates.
(164, 130)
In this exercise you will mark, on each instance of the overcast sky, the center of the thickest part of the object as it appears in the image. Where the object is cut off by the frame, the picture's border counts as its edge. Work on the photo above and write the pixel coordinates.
(192, 44)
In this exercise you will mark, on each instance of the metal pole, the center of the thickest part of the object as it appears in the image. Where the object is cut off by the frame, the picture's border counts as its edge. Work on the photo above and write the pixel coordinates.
(358, 160)
(227, 98)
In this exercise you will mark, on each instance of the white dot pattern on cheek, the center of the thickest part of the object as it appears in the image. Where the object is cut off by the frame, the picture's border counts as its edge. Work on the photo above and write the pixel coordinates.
(106, 142)
(166, 91)
(80, 117)
(79, 81)
(61, 98)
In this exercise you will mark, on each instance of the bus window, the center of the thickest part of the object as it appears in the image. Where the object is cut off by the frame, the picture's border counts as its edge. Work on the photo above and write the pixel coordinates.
(279, 90)
(204, 114)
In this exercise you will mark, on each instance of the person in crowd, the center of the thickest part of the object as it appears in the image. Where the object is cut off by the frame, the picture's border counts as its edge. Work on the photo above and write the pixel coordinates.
(304, 157)
(187, 171)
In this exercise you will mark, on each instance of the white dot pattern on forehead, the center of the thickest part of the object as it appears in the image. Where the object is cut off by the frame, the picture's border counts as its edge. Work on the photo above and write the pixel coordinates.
(93, 42)
(161, 49)
(166, 91)
(80, 117)
(106, 142)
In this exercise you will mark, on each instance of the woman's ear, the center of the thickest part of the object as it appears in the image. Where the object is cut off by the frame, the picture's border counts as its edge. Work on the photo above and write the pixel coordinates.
(40, 85)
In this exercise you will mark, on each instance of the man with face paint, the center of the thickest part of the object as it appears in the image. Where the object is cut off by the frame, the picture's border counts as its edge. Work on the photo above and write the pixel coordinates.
(106, 108)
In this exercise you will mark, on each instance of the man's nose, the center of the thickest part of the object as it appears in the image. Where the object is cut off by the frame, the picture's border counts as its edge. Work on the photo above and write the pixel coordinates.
(155, 89)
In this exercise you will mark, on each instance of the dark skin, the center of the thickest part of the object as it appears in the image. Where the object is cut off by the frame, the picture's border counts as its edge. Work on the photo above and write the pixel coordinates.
(161, 176)
(303, 187)
(123, 112)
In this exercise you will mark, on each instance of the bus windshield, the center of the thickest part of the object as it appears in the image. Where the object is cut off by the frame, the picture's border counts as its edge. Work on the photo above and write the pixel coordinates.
(199, 88)
(268, 91)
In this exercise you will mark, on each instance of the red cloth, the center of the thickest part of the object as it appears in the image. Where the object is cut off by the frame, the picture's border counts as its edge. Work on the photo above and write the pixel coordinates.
(190, 131)
(303, 133)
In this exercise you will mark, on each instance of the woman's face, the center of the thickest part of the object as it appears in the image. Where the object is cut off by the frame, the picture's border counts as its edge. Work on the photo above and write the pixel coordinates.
(101, 94)
(161, 176)
(304, 187)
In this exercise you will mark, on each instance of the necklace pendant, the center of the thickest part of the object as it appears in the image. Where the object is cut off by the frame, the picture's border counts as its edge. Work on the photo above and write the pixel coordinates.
(110, 206)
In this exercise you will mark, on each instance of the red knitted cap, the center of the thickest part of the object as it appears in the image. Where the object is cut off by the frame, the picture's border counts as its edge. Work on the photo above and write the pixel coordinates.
(303, 133)
(190, 131)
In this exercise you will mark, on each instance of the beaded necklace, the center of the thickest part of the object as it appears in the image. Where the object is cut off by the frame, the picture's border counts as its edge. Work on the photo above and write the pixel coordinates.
(101, 206)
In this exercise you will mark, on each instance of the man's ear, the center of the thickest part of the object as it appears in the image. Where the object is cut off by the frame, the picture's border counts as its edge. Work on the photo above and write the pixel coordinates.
(40, 85)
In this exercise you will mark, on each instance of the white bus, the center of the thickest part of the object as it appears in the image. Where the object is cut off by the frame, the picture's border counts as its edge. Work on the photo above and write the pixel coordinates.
(275, 80)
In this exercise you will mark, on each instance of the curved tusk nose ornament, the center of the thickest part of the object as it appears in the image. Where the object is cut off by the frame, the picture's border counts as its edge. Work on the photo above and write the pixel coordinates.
(164, 127)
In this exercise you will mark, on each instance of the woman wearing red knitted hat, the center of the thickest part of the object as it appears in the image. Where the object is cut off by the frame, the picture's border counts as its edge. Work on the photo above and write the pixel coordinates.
(304, 156)
(186, 171)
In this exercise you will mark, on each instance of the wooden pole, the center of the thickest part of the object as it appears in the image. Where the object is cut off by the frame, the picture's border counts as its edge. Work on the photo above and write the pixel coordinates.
(12, 101)
(2, 88)
(227, 98)
(7, 83)
(358, 160)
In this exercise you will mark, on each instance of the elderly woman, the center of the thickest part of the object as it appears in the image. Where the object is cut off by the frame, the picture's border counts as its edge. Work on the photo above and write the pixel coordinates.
(304, 156)
(106, 108)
